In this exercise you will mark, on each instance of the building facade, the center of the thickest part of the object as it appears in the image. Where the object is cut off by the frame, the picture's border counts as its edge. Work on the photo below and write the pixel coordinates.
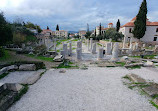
(151, 34)
(103, 30)
(82, 33)
(61, 33)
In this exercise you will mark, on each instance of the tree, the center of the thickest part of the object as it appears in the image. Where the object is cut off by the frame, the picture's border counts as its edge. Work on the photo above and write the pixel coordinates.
(100, 29)
(113, 34)
(57, 28)
(87, 35)
(118, 25)
(140, 22)
(5, 31)
(18, 38)
(95, 33)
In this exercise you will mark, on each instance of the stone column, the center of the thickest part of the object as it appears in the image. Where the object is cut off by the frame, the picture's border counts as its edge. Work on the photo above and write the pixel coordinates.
(115, 52)
(91, 42)
(55, 44)
(78, 54)
(79, 45)
(65, 49)
(70, 49)
(88, 43)
(108, 49)
(137, 46)
(131, 43)
(124, 42)
(94, 48)
(100, 54)
(62, 52)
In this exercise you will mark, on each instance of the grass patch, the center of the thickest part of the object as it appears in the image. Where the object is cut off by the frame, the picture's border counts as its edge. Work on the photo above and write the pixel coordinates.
(126, 77)
(3, 75)
(66, 64)
(120, 63)
(6, 56)
(41, 58)
(135, 67)
(99, 44)
(73, 48)
(154, 104)
(145, 56)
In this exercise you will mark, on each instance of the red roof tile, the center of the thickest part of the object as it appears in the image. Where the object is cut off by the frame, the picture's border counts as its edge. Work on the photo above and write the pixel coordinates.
(148, 23)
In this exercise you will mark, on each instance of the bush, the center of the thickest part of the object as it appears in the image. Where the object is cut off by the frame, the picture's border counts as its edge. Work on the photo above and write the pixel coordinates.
(2, 52)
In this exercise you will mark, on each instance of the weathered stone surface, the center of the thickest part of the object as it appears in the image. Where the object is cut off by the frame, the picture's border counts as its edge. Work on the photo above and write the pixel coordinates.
(133, 64)
(115, 52)
(34, 78)
(27, 67)
(62, 52)
(100, 54)
(70, 49)
(65, 49)
(58, 58)
(12, 67)
(4, 70)
(136, 79)
(14, 87)
(62, 71)
(91, 42)
(151, 90)
(148, 64)
(78, 54)
(94, 48)
(124, 58)
(108, 49)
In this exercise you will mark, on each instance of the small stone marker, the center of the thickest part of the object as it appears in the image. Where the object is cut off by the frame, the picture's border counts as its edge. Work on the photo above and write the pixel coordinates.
(115, 52)
(100, 54)
(78, 54)
(94, 48)
(108, 49)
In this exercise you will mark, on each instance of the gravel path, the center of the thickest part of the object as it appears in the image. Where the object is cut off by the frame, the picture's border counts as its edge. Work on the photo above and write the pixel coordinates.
(95, 89)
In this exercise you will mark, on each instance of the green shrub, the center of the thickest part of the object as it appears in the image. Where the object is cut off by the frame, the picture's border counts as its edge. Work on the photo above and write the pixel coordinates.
(2, 52)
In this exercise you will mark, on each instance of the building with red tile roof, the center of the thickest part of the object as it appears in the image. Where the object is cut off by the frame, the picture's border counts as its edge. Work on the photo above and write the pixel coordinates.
(150, 34)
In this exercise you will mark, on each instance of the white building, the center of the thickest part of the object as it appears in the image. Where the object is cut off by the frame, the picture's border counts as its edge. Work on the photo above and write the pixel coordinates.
(110, 25)
(151, 34)
(61, 33)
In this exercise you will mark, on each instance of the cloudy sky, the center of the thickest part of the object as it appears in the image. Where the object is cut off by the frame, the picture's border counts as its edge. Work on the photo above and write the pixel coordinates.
(73, 15)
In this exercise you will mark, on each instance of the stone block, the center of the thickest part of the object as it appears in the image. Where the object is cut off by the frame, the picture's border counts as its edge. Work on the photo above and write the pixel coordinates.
(136, 79)
(27, 67)
(14, 87)
(4, 70)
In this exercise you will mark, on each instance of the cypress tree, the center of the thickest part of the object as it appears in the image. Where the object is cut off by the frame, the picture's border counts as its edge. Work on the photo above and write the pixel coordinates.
(57, 28)
(95, 32)
(100, 29)
(118, 25)
(140, 22)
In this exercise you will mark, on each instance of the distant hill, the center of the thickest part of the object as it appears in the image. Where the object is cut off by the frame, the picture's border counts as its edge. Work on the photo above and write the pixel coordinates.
(72, 32)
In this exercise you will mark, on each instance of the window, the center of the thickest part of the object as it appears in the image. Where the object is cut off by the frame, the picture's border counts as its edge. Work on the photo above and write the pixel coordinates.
(155, 39)
(157, 30)
(130, 30)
